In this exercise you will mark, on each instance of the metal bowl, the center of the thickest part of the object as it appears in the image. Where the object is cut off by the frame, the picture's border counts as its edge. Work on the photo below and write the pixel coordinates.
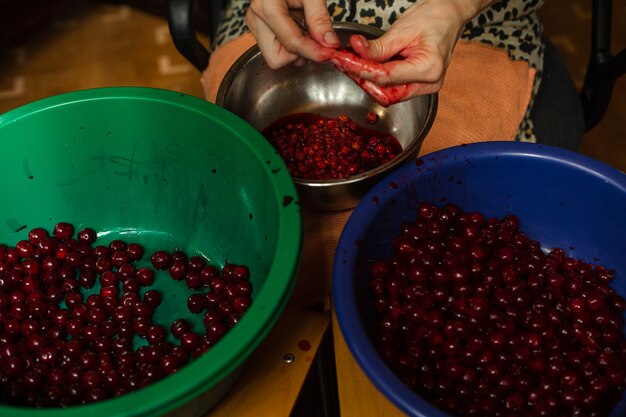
(261, 95)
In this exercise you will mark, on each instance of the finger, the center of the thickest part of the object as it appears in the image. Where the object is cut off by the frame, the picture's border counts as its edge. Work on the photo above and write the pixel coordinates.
(273, 51)
(290, 35)
(319, 23)
(380, 49)
(386, 96)
(419, 67)
(360, 67)
(300, 62)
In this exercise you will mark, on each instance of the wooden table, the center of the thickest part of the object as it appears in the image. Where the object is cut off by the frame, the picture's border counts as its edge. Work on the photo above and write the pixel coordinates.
(269, 385)
(357, 395)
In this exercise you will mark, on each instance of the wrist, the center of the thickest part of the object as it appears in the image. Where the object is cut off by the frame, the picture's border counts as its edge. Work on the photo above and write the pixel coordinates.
(468, 9)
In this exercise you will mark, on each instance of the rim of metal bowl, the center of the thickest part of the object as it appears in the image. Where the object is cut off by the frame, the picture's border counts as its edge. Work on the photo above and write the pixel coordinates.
(409, 152)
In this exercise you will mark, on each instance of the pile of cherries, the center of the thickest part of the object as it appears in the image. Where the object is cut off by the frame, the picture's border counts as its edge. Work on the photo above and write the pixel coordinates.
(319, 148)
(76, 320)
(478, 320)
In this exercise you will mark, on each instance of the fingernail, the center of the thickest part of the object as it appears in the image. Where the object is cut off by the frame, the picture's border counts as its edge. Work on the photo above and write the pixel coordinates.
(364, 41)
(330, 38)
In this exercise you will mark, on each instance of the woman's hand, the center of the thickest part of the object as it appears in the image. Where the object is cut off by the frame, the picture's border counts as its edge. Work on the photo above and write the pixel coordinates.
(411, 58)
(277, 27)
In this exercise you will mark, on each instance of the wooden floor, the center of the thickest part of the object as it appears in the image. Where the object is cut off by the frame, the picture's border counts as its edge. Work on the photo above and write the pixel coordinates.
(90, 44)
(94, 44)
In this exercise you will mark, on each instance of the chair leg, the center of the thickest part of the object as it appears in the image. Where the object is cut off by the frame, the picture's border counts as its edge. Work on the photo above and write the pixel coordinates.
(324, 367)
(215, 15)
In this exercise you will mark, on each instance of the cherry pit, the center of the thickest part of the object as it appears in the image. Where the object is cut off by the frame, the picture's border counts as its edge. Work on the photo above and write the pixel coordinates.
(77, 319)
(475, 317)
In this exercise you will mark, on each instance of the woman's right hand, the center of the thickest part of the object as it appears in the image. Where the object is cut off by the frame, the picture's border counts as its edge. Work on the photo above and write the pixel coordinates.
(411, 58)
(277, 26)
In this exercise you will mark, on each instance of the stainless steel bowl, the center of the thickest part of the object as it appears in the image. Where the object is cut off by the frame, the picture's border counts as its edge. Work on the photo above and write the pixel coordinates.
(261, 95)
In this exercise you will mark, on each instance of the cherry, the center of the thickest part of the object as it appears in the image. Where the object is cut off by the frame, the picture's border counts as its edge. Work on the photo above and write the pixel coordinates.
(126, 271)
(37, 234)
(473, 299)
(87, 235)
(215, 330)
(141, 325)
(59, 349)
(193, 280)
(315, 147)
(190, 340)
(241, 304)
(135, 251)
(117, 245)
(208, 273)
(242, 288)
(161, 259)
(26, 248)
(169, 364)
(13, 255)
(196, 303)
(179, 327)
(145, 276)
(119, 258)
(152, 298)
(372, 118)
(196, 263)
(156, 334)
(129, 299)
(131, 285)
(141, 309)
(63, 230)
(178, 269)
(31, 266)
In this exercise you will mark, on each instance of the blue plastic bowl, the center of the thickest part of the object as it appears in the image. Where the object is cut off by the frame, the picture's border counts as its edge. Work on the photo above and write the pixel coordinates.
(562, 198)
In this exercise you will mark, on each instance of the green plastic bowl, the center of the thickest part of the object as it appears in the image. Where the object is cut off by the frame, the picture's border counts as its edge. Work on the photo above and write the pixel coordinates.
(169, 171)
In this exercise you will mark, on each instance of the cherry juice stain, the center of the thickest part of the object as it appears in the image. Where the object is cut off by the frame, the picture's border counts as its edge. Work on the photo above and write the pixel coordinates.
(304, 345)
(353, 65)
(287, 200)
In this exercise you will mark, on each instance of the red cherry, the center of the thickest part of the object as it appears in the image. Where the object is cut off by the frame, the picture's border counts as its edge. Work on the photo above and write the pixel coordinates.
(179, 327)
(37, 234)
(145, 276)
(63, 230)
(178, 269)
(161, 259)
(464, 292)
(135, 251)
(318, 148)
(196, 303)
(87, 235)
(58, 349)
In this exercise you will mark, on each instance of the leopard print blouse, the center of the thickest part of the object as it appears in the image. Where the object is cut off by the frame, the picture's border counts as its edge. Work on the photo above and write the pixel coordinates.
(508, 24)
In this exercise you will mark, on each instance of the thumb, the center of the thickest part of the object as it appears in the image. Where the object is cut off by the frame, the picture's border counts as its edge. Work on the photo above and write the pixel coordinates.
(378, 49)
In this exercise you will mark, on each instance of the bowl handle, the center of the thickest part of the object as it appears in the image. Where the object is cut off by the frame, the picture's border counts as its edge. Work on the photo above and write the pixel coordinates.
(183, 33)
